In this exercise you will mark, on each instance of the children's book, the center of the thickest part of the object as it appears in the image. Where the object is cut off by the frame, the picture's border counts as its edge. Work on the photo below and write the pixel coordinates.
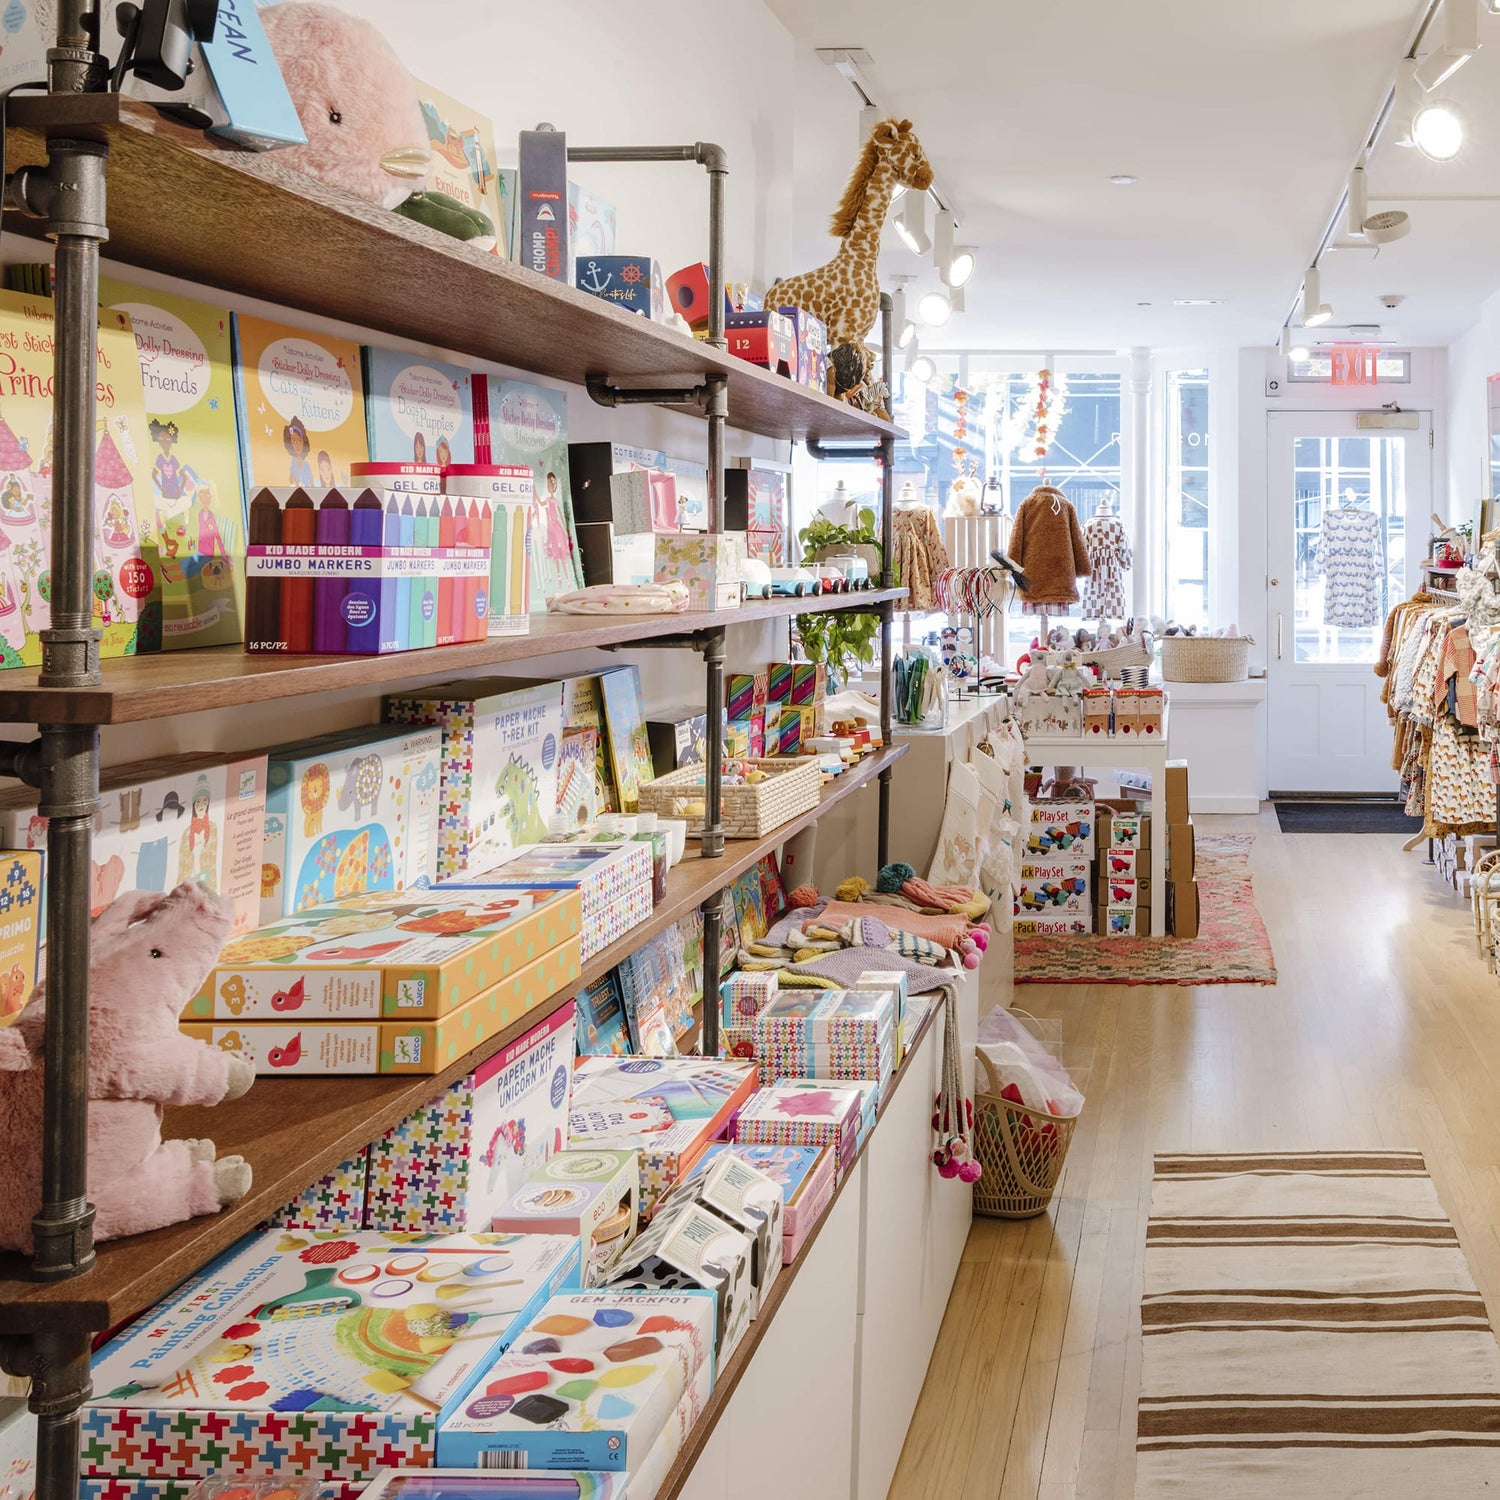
(127, 597)
(197, 509)
(528, 424)
(577, 780)
(505, 185)
(421, 411)
(602, 1031)
(301, 405)
(625, 729)
(583, 708)
(463, 158)
(591, 223)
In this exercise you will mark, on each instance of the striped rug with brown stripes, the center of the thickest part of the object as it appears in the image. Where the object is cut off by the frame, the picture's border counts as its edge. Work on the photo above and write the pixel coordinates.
(1310, 1329)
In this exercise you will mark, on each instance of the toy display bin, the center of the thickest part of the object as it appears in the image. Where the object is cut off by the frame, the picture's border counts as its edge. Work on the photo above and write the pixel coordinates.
(792, 786)
(1021, 1150)
(1205, 658)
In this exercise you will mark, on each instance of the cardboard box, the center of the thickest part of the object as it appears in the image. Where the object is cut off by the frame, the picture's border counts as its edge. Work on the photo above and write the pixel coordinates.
(643, 500)
(316, 1048)
(1116, 864)
(1061, 830)
(592, 1194)
(1182, 850)
(795, 729)
(745, 1197)
(499, 772)
(1098, 711)
(764, 338)
(678, 738)
(336, 1201)
(632, 282)
(1124, 921)
(1177, 793)
(1123, 890)
(610, 555)
(397, 955)
(590, 467)
(805, 1175)
(383, 1387)
(744, 692)
(1125, 830)
(712, 565)
(1055, 896)
(1183, 912)
(542, 203)
(748, 736)
(449, 1166)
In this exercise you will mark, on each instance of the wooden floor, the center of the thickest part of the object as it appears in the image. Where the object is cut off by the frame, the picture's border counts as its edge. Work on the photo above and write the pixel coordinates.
(1383, 1031)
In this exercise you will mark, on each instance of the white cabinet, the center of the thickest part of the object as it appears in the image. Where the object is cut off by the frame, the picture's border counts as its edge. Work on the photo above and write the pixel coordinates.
(1218, 728)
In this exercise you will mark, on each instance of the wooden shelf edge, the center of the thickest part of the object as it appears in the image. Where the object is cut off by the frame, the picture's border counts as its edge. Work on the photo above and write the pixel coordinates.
(366, 1106)
(167, 684)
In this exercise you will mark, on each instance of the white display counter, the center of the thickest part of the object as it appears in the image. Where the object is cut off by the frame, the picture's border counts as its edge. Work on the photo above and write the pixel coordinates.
(1218, 728)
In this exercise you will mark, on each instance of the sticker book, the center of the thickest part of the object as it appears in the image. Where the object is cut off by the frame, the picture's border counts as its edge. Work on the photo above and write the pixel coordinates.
(420, 410)
(625, 730)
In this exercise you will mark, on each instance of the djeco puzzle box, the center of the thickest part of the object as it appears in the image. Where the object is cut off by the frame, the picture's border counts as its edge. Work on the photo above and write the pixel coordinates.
(326, 1355)
(499, 775)
(348, 813)
(450, 1165)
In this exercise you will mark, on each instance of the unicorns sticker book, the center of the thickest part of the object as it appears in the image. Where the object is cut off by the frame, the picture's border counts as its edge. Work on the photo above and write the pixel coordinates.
(197, 500)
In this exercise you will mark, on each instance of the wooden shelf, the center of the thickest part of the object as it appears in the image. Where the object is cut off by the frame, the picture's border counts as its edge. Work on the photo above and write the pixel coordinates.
(244, 222)
(292, 1131)
(179, 682)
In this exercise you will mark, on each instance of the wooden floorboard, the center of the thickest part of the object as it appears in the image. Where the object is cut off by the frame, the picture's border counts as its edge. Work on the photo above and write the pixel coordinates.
(1384, 1031)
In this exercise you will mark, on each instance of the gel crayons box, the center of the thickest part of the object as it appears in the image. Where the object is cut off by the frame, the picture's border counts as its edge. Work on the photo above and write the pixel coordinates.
(593, 1194)
(449, 1166)
(342, 1353)
(393, 955)
(349, 813)
(590, 1384)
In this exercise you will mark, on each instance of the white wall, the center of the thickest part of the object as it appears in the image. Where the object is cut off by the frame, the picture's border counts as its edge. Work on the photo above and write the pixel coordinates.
(1471, 361)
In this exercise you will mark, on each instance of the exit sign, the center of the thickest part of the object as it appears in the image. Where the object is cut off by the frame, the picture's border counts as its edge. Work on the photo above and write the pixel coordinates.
(1355, 364)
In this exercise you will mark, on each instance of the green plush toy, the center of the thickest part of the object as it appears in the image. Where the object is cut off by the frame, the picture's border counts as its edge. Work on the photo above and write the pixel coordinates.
(448, 216)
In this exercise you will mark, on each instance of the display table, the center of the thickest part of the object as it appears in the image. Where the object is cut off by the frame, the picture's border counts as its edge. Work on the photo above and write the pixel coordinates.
(1114, 752)
(822, 1405)
(1219, 729)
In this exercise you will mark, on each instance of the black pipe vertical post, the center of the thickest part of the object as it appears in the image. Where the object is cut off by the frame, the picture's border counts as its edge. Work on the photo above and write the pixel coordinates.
(887, 577)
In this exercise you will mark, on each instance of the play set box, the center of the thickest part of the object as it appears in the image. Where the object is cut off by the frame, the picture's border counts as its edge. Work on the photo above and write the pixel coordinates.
(667, 1108)
(1072, 926)
(405, 1046)
(390, 954)
(1061, 830)
(805, 1175)
(593, 1194)
(632, 282)
(451, 1165)
(823, 1114)
(349, 813)
(744, 1196)
(590, 1384)
(1054, 895)
(183, 817)
(327, 1355)
(499, 773)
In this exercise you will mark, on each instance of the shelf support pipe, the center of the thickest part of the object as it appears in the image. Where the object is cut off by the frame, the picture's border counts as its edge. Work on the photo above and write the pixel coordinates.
(887, 577)
(713, 835)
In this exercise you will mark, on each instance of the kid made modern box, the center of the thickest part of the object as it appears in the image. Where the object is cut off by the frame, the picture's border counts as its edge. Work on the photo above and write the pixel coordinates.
(329, 1356)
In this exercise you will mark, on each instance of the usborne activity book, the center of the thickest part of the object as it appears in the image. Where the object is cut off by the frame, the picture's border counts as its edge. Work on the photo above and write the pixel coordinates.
(301, 405)
(420, 410)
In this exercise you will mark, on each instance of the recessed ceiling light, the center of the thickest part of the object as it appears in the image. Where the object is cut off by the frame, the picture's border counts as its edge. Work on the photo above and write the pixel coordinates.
(1198, 302)
(1123, 179)
(1143, 304)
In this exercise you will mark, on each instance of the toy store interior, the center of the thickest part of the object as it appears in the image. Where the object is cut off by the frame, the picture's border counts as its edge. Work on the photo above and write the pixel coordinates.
(752, 750)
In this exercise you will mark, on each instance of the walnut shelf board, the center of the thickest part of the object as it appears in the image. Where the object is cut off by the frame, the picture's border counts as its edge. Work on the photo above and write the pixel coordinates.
(292, 1131)
(244, 222)
(167, 683)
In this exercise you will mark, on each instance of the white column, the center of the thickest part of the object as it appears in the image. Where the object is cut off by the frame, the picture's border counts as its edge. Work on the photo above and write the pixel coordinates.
(1146, 515)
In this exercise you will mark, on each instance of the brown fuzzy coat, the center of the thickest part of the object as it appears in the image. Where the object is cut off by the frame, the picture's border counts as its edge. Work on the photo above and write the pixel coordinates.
(1047, 542)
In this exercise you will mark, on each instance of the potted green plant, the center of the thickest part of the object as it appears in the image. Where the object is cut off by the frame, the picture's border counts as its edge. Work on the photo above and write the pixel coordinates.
(825, 538)
(840, 641)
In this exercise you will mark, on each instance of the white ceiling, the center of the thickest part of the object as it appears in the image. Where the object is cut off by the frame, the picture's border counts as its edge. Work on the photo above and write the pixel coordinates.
(1241, 119)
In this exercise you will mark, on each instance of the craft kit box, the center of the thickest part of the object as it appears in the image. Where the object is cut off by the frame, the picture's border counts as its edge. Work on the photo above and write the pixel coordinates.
(686, 1248)
(679, 737)
(336, 1201)
(1061, 830)
(324, 1355)
(20, 929)
(633, 282)
(499, 772)
(712, 565)
(843, 1034)
(391, 955)
(868, 1090)
(784, 1115)
(184, 817)
(588, 1385)
(609, 555)
(349, 813)
(667, 1108)
(744, 995)
(745, 1197)
(805, 1175)
(449, 1166)
(408, 1046)
(592, 1194)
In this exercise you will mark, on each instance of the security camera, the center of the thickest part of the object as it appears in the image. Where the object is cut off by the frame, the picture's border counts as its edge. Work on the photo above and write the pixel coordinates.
(1391, 301)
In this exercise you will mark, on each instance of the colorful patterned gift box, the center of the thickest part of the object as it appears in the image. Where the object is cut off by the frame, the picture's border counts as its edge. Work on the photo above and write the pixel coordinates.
(712, 565)
(784, 1114)
(893, 980)
(329, 1356)
(589, 1384)
(805, 1175)
(834, 1034)
(451, 1165)
(744, 995)
(667, 1108)
(335, 1201)
(869, 1090)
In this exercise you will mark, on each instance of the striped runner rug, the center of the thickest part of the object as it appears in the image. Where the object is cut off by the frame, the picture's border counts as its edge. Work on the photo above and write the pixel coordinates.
(1310, 1329)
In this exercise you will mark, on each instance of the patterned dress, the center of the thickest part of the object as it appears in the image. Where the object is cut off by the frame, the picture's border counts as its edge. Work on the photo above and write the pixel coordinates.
(1109, 557)
(920, 556)
(1350, 552)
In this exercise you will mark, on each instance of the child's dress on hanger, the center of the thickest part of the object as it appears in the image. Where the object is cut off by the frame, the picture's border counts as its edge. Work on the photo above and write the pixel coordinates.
(920, 556)
(1109, 557)
(1350, 552)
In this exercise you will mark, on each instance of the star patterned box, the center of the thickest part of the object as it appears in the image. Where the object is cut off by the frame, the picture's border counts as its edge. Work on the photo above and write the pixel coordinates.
(317, 1048)
(805, 1175)
(589, 1384)
(744, 1196)
(450, 1165)
(329, 1356)
(827, 1034)
(412, 955)
(869, 1100)
(826, 1114)
(593, 1194)
(335, 1201)
(667, 1108)
(744, 995)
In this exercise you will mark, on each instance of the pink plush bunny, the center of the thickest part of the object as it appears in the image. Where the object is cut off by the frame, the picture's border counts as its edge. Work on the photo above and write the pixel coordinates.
(149, 954)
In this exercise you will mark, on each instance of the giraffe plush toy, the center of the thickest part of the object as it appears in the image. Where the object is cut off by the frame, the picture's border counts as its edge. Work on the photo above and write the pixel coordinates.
(845, 292)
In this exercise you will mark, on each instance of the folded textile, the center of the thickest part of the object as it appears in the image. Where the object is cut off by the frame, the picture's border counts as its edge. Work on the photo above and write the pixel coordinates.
(948, 930)
(844, 968)
(622, 599)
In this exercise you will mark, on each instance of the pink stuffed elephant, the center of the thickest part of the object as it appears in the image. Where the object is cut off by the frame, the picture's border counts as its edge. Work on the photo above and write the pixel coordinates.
(149, 954)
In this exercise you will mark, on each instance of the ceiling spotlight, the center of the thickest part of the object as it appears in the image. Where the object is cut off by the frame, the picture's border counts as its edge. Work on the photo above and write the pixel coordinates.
(922, 369)
(955, 299)
(1315, 311)
(1437, 131)
(961, 267)
(1492, 7)
(911, 223)
(934, 309)
(1123, 179)
(905, 329)
(1460, 42)
(1291, 346)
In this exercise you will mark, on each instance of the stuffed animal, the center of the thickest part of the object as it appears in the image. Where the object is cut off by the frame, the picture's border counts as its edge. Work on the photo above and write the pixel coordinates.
(357, 103)
(148, 955)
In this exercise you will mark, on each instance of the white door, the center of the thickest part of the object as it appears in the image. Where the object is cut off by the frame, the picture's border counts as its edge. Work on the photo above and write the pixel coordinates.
(1347, 518)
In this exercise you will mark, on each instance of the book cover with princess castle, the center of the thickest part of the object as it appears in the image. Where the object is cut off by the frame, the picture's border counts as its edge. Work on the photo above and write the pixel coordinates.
(528, 425)
(127, 600)
(197, 495)
(301, 405)
(420, 410)
(463, 158)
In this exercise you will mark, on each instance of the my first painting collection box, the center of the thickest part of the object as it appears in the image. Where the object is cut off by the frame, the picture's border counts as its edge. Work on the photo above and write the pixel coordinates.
(329, 1356)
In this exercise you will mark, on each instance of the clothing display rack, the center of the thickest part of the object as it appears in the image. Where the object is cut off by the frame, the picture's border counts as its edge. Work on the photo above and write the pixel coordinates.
(244, 224)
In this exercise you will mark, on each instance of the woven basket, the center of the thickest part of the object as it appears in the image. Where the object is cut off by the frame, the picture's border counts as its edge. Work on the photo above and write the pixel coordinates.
(1205, 658)
(1113, 660)
(791, 787)
(1021, 1150)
